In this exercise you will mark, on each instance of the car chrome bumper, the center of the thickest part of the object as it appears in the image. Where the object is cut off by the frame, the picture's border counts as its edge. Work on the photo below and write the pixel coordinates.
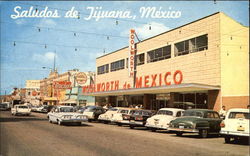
(234, 133)
(137, 123)
(74, 120)
(156, 126)
(183, 130)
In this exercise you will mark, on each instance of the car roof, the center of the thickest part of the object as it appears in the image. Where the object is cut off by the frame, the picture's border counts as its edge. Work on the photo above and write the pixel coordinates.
(172, 109)
(201, 110)
(238, 110)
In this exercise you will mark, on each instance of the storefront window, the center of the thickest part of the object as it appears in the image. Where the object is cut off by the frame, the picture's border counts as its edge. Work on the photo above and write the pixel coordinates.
(159, 54)
(103, 69)
(117, 65)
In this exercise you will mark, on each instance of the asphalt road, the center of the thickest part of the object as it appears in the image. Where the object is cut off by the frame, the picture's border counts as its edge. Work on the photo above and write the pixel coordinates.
(35, 136)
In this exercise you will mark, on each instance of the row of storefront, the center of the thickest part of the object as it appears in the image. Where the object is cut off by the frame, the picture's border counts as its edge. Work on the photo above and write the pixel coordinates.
(203, 64)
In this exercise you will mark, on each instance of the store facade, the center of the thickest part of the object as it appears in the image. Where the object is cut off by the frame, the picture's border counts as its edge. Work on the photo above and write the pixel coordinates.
(203, 64)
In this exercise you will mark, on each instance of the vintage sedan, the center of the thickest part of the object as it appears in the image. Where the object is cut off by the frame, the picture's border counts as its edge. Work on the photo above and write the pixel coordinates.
(161, 120)
(235, 125)
(65, 114)
(139, 118)
(201, 121)
(122, 117)
(93, 112)
(107, 116)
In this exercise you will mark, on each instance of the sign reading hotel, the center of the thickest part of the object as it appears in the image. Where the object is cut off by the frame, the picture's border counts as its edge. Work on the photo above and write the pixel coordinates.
(81, 78)
(146, 81)
(62, 85)
(132, 51)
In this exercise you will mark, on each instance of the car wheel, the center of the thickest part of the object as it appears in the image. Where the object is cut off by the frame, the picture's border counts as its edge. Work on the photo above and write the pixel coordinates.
(227, 139)
(59, 122)
(50, 121)
(89, 120)
(119, 124)
(79, 123)
(203, 133)
(131, 127)
(179, 133)
(153, 129)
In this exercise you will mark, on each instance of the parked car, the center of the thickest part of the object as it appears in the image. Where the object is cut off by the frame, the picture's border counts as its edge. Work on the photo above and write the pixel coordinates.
(93, 112)
(107, 116)
(161, 120)
(20, 110)
(201, 121)
(236, 124)
(66, 114)
(122, 116)
(139, 118)
(4, 106)
(46, 108)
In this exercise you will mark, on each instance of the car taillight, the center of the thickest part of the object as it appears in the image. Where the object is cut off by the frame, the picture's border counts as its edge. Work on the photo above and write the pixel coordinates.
(222, 124)
(139, 118)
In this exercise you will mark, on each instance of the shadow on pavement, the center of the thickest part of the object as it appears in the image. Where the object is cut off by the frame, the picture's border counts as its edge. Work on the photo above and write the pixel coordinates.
(196, 136)
(19, 118)
(240, 142)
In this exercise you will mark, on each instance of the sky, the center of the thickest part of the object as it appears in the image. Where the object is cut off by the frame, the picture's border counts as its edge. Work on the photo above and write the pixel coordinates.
(30, 43)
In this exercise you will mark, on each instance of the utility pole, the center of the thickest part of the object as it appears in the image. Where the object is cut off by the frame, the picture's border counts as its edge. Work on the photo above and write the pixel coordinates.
(54, 65)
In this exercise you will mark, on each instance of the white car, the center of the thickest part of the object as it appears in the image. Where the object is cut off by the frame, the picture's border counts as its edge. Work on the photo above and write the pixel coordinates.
(162, 118)
(107, 116)
(122, 117)
(20, 110)
(236, 124)
(66, 114)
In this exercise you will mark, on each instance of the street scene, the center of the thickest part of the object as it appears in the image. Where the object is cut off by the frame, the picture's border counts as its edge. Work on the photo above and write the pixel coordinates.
(34, 135)
(124, 78)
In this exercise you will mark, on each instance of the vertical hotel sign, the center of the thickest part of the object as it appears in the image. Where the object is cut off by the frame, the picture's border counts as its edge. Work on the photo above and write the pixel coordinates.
(131, 56)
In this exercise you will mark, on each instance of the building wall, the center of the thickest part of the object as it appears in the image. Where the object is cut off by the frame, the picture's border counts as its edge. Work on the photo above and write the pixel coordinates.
(200, 67)
(234, 63)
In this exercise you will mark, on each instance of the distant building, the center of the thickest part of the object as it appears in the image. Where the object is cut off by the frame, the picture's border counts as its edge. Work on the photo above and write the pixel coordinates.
(32, 94)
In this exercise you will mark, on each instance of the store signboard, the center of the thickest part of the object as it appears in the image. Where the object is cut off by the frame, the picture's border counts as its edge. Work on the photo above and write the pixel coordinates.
(131, 56)
(81, 78)
(62, 85)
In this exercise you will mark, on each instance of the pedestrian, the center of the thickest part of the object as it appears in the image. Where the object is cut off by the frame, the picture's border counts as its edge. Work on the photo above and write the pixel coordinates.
(223, 112)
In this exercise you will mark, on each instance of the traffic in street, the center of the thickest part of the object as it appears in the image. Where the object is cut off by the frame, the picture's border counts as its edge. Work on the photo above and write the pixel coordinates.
(34, 135)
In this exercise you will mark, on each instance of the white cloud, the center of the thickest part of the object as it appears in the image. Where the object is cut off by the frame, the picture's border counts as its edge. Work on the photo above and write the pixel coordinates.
(47, 23)
(144, 32)
(47, 57)
(20, 21)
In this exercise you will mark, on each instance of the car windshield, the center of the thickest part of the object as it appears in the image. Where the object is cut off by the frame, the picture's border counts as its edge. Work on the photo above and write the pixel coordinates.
(25, 107)
(193, 113)
(123, 111)
(112, 109)
(66, 109)
(165, 112)
(237, 115)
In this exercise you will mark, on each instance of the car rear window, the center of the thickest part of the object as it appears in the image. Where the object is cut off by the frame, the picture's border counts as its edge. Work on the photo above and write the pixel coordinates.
(164, 112)
(237, 115)
(23, 107)
(193, 113)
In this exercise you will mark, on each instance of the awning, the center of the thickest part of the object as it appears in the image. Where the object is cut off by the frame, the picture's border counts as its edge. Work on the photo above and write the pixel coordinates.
(50, 99)
(68, 101)
(188, 87)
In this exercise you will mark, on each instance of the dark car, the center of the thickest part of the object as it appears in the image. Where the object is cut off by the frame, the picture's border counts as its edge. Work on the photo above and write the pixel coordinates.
(139, 118)
(201, 121)
(93, 112)
(47, 108)
(4, 106)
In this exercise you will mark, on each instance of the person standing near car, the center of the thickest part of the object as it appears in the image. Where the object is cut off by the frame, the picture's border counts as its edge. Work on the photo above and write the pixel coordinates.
(223, 112)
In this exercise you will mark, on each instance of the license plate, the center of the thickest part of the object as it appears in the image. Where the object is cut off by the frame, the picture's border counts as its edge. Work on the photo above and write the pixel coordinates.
(182, 127)
(240, 129)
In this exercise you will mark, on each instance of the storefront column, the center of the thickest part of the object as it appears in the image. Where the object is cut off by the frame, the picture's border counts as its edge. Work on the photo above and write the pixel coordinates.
(171, 101)
(214, 100)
